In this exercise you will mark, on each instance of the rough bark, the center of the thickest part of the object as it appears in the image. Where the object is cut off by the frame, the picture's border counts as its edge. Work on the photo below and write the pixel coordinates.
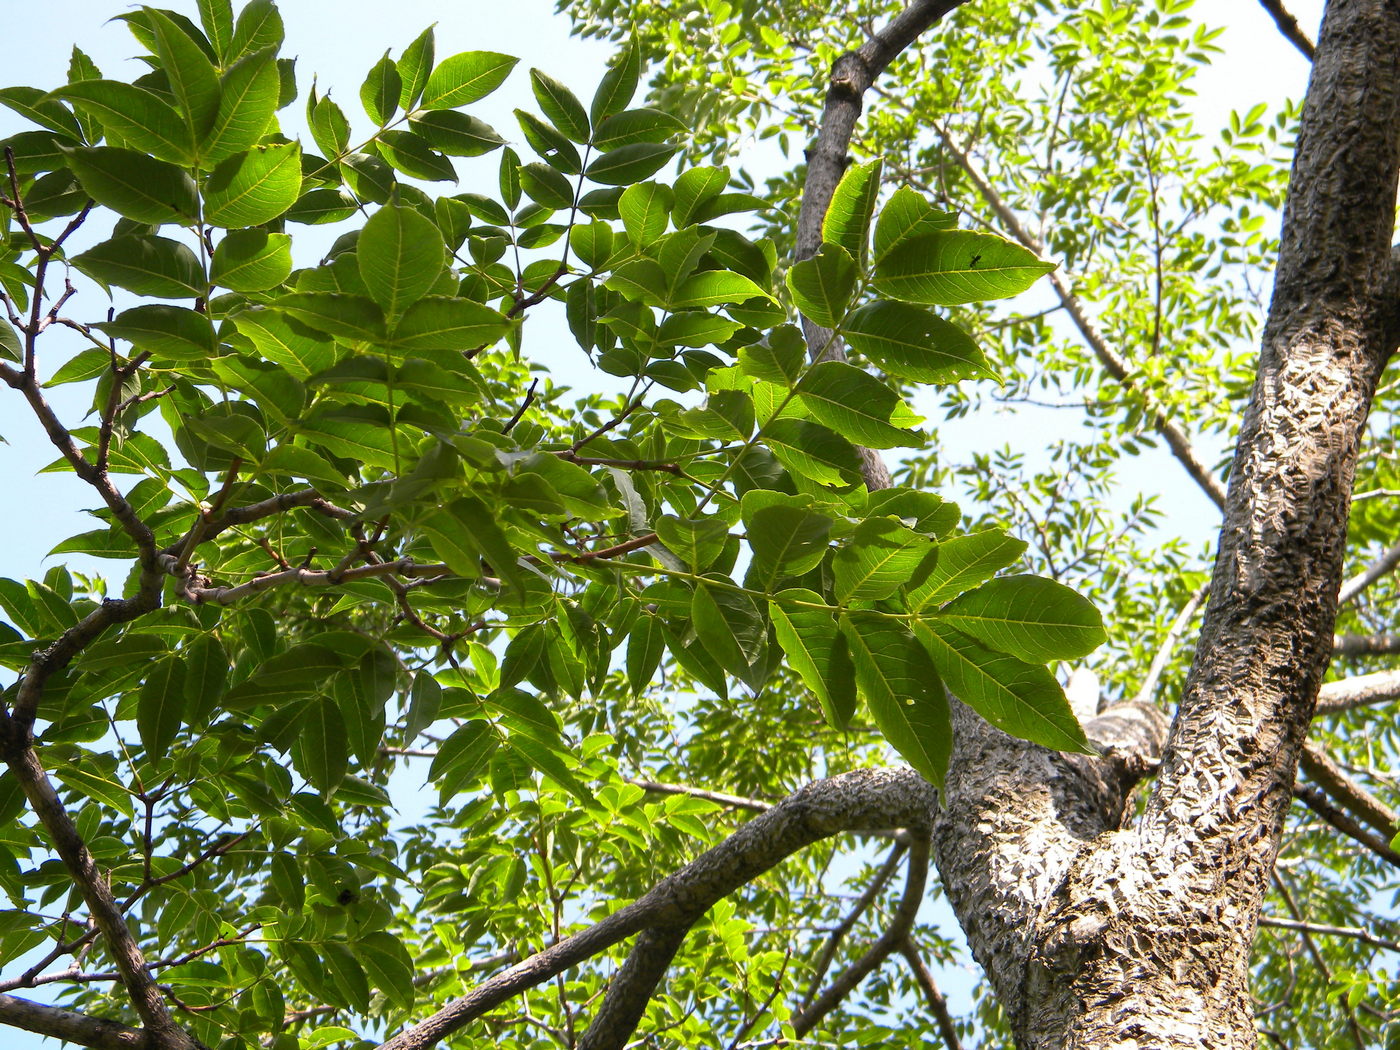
(1140, 937)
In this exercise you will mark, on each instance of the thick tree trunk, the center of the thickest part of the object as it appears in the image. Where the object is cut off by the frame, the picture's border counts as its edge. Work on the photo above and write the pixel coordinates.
(1097, 937)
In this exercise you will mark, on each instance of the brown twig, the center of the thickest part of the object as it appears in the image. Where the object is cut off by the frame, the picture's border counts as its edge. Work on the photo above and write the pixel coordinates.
(1288, 26)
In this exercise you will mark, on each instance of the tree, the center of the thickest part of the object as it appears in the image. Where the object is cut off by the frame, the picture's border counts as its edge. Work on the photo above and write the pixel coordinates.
(368, 534)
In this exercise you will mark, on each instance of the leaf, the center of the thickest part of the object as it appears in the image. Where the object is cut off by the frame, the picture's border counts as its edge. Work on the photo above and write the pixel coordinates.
(456, 134)
(440, 322)
(921, 511)
(315, 207)
(636, 127)
(322, 745)
(353, 317)
(462, 756)
(730, 626)
(715, 287)
(216, 16)
(644, 208)
(400, 255)
(963, 563)
(546, 186)
(259, 27)
(1020, 698)
(906, 215)
(857, 405)
(778, 358)
(379, 94)
(329, 128)
(696, 187)
(812, 451)
(277, 341)
(466, 78)
(550, 762)
(411, 154)
(253, 187)
(160, 708)
(415, 65)
(249, 93)
(10, 345)
(881, 556)
(560, 105)
(251, 260)
(822, 286)
(169, 333)
(105, 789)
(206, 674)
(625, 165)
(698, 542)
(902, 689)
(42, 109)
(193, 79)
(957, 266)
(619, 82)
(1029, 617)
(911, 343)
(786, 541)
(847, 221)
(155, 266)
(139, 118)
(466, 532)
(388, 965)
(646, 644)
(817, 651)
(134, 185)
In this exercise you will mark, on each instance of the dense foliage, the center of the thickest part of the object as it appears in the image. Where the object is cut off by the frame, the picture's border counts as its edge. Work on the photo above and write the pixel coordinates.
(362, 533)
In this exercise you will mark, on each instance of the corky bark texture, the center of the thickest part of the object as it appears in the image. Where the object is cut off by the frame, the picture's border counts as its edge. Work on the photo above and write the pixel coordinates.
(1140, 937)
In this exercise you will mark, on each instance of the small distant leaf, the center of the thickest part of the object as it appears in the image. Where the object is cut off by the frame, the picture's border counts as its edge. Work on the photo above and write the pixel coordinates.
(911, 343)
(466, 78)
(252, 260)
(847, 221)
(619, 83)
(560, 105)
(400, 255)
(253, 187)
(134, 185)
(1029, 617)
(822, 286)
(857, 405)
(958, 266)
(625, 165)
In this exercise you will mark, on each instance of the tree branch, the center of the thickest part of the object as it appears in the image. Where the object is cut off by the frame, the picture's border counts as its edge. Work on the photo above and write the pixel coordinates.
(896, 934)
(1169, 643)
(633, 986)
(1382, 566)
(1288, 26)
(858, 801)
(71, 1026)
(1346, 792)
(1316, 800)
(937, 1004)
(1365, 644)
(1359, 691)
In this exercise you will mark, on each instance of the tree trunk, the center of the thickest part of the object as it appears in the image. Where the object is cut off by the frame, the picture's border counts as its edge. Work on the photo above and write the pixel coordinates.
(1098, 937)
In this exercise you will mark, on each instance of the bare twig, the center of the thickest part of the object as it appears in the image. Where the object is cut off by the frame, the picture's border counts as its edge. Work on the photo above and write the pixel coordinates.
(1366, 644)
(1359, 691)
(1354, 933)
(1346, 792)
(753, 805)
(1169, 643)
(1316, 800)
(1382, 566)
(937, 1004)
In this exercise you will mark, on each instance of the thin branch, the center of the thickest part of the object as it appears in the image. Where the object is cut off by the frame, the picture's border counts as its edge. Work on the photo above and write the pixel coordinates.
(937, 1004)
(810, 1016)
(753, 805)
(1114, 364)
(1352, 932)
(1288, 26)
(1316, 800)
(847, 923)
(1316, 955)
(1169, 643)
(1346, 792)
(633, 986)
